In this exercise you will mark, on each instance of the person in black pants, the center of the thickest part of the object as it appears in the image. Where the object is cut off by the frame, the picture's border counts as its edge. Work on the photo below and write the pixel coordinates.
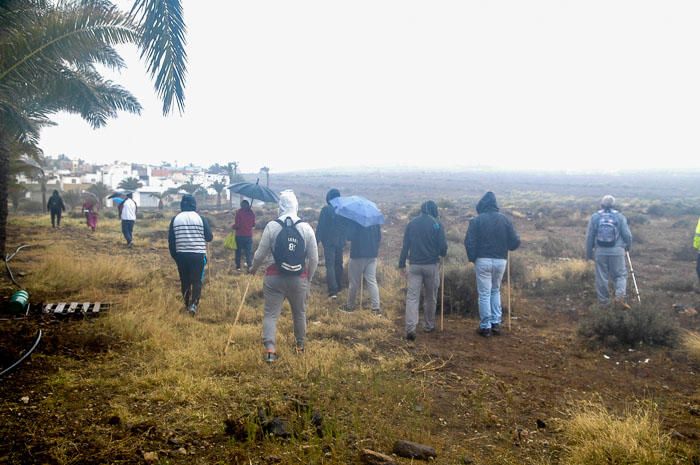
(331, 233)
(187, 238)
(55, 206)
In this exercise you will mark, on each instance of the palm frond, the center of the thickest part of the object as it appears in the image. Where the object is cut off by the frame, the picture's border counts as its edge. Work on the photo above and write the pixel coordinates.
(163, 47)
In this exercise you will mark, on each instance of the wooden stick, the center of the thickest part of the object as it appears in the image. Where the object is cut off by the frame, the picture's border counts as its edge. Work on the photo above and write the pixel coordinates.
(238, 314)
(362, 282)
(442, 295)
(509, 301)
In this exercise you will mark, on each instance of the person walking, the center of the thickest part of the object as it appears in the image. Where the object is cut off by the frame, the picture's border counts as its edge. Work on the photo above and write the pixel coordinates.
(696, 244)
(90, 210)
(330, 233)
(243, 225)
(364, 249)
(291, 243)
(56, 207)
(187, 237)
(607, 240)
(423, 244)
(128, 217)
(489, 238)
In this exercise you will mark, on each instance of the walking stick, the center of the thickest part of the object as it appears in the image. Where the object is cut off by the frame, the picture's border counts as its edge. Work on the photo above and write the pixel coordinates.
(509, 301)
(442, 295)
(634, 279)
(238, 314)
(362, 282)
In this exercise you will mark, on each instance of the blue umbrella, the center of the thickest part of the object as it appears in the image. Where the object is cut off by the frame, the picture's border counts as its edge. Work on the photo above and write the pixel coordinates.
(358, 209)
(254, 191)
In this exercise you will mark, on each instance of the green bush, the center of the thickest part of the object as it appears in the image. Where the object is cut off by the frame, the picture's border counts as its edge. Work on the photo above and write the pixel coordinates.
(31, 206)
(460, 289)
(647, 324)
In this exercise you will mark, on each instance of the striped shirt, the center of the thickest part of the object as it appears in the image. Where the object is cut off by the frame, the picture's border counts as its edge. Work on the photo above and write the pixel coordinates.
(189, 231)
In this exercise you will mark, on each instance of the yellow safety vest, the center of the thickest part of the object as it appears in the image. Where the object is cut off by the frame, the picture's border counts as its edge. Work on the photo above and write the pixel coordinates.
(696, 240)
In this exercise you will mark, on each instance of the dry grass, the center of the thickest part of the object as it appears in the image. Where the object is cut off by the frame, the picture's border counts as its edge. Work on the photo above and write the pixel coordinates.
(691, 344)
(595, 436)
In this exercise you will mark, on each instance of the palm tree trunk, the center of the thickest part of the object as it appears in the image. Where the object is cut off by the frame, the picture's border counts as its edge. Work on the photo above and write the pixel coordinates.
(4, 176)
(218, 200)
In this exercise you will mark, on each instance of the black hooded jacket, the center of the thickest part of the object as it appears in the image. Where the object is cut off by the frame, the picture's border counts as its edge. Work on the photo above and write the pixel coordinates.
(55, 203)
(490, 234)
(424, 238)
(330, 230)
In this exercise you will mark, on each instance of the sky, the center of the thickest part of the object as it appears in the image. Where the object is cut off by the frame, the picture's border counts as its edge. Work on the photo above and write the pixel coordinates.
(515, 85)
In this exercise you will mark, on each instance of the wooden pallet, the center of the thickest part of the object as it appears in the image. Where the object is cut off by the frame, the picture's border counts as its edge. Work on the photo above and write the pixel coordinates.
(76, 308)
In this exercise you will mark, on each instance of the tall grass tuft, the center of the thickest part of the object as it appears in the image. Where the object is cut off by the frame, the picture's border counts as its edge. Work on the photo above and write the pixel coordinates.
(595, 436)
(691, 344)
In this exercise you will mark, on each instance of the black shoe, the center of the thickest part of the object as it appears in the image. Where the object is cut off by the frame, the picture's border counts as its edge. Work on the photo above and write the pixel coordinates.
(495, 330)
(484, 332)
(428, 330)
(411, 336)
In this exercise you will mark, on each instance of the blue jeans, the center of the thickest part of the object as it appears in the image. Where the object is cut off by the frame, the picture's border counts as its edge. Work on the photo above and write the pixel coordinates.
(489, 274)
(128, 230)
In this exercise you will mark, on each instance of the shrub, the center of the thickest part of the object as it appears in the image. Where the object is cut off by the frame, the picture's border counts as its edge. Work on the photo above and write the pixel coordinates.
(685, 252)
(643, 324)
(109, 214)
(691, 344)
(562, 277)
(32, 206)
(446, 203)
(637, 218)
(556, 247)
(460, 289)
(595, 436)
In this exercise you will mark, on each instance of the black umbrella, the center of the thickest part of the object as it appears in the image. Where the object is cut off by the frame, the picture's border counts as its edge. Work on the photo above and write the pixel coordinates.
(254, 191)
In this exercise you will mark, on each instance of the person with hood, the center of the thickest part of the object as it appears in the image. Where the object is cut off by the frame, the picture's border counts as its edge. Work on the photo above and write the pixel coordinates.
(56, 207)
(243, 224)
(330, 233)
(364, 249)
(284, 240)
(607, 240)
(128, 217)
(423, 244)
(489, 238)
(187, 240)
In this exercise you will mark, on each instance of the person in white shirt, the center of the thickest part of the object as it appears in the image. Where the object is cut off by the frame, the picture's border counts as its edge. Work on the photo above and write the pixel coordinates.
(128, 217)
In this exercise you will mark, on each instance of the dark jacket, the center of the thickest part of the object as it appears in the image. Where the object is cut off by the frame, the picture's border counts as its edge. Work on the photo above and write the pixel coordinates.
(490, 234)
(330, 230)
(424, 238)
(55, 204)
(365, 241)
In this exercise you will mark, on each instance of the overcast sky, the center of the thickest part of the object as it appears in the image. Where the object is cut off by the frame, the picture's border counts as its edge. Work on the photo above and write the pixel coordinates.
(561, 84)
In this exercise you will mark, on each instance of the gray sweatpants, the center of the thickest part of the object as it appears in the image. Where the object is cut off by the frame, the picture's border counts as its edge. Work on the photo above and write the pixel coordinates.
(275, 290)
(420, 276)
(610, 267)
(356, 268)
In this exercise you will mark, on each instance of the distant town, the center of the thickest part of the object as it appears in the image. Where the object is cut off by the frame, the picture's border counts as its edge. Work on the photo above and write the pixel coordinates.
(152, 186)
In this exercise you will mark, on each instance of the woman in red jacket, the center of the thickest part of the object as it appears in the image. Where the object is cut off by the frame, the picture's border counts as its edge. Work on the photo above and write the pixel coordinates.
(243, 225)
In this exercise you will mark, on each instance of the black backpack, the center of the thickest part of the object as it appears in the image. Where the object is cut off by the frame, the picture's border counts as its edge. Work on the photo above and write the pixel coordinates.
(290, 250)
(608, 229)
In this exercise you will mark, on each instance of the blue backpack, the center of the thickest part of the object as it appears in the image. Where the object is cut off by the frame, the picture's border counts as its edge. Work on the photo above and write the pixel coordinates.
(608, 229)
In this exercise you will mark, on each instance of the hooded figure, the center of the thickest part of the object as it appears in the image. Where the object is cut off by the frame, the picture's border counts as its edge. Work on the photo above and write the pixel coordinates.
(55, 206)
(279, 283)
(607, 239)
(330, 232)
(489, 238)
(187, 238)
(423, 245)
(243, 225)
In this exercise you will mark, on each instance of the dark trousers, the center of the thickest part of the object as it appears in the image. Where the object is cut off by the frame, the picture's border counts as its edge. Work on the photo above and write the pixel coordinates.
(334, 268)
(128, 230)
(244, 246)
(190, 267)
(697, 266)
(55, 218)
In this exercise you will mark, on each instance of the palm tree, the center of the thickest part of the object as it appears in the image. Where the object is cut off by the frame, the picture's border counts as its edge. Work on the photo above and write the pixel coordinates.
(219, 187)
(49, 52)
(190, 187)
(130, 184)
(100, 190)
(266, 171)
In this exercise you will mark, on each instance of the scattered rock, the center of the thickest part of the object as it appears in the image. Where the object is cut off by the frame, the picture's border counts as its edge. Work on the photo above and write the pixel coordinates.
(24, 399)
(236, 428)
(114, 420)
(277, 427)
(174, 441)
(150, 457)
(182, 451)
(413, 450)
(317, 421)
(694, 410)
(371, 457)
(273, 459)
(467, 461)
(541, 424)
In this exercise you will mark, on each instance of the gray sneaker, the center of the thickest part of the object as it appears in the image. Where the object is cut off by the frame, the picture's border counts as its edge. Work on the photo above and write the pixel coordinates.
(192, 309)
